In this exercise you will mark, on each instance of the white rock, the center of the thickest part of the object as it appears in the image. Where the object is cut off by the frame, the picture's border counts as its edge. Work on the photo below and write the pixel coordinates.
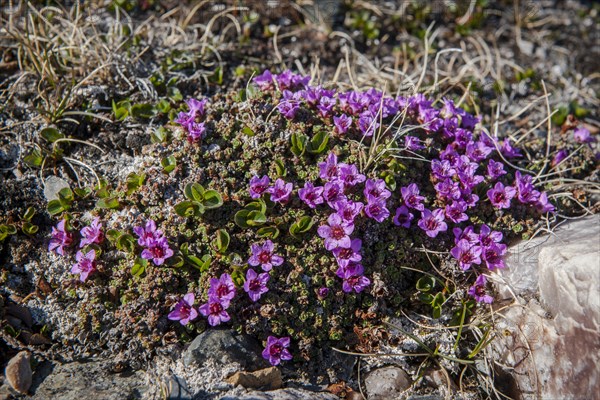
(53, 185)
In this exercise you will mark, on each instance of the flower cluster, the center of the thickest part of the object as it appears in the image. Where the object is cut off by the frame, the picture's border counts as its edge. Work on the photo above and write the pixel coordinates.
(280, 191)
(190, 120)
(475, 248)
(156, 246)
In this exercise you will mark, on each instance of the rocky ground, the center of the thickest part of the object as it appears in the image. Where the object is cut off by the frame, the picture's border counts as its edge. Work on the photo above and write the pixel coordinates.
(85, 93)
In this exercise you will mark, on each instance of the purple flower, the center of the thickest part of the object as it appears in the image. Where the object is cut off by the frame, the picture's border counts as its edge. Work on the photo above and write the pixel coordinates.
(281, 191)
(333, 192)
(258, 186)
(148, 234)
(448, 189)
(403, 218)
(413, 143)
(543, 205)
(478, 151)
(367, 123)
(500, 196)
(442, 169)
(288, 108)
(336, 234)
(184, 310)
(411, 197)
(376, 189)
(86, 264)
(455, 212)
(277, 350)
(508, 150)
(346, 255)
(329, 170)
(478, 291)
(325, 106)
(466, 254)
(495, 170)
(492, 255)
(158, 251)
(353, 277)
(342, 123)
(196, 107)
(60, 238)
(349, 175)
(347, 209)
(92, 234)
(263, 255)
(311, 195)
(376, 209)
(264, 81)
(256, 284)
(468, 234)
(487, 237)
(322, 292)
(214, 310)
(222, 288)
(559, 157)
(582, 135)
(432, 222)
(526, 193)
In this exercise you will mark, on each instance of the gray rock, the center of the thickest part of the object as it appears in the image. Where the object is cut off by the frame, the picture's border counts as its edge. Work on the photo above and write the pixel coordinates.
(18, 372)
(425, 397)
(386, 383)
(551, 347)
(225, 347)
(285, 394)
(177, 389)
(53, 185)
(90, 380)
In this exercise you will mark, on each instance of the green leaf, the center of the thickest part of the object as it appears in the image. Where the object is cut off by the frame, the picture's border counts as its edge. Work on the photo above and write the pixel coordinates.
(126, 243)
(437, 312)
(168, 163)
(212, 199)
(302, 225)
(134, 182)
(258, 205)
(217, 76)
(34, 158)
(268, 232)
(194, 192)
(426, 298)
(438, 300)
(29, 213)
(143, 110)
(51, 134)
(221, 242)
(560, 116)
(83, 192)
(175, 261)
(66, 196)
(121, 109)
(163, 106)
(6, 230)
(113, 235)
(280, 168)
(425, 284)
(159, 135)
(238, 277)
(108, 202)
(139, 267)
(174, 94)
(256, 218)
(246, 130)
(29, 228)
(318, 143)
(299, 141)
(240, 218)
(189, 208)
(55, 207)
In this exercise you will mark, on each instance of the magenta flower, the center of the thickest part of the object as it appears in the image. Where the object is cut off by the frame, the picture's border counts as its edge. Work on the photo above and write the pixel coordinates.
(455, 212)
(281, 191)
(92, 234)
(258, 186)
(311, 195)
(342, 123)
(348, 210)
(195, 131)
(487, 236)
(288, 108)
(411, 197)
(148, 234)
(353, 277)
(263, 255)
(403, 217)
(196, 107)
(333, 192)
(526, 192)
(329, 169)
(432, 222)
(492, 255)
(500, 196)
(184, 310)
(277, 350)
(367, 123)
(214, 310)
(478, 291)
(582, 135)
(377, 210)
(264, 81)
(442, 169)
(478, 151)
(508, 150)
(322, 292)
(376, 189)
(559, 157)
(158, 251)
(349, 175)
(336, 234)
(466, 254)
(222, 288)
(325, 106)
(495, 170)
(345, 255)
(543, 205)
(256, 284)
(60, 238)
(448, 189)
(86, 264)
(468, 234)
(413, 143)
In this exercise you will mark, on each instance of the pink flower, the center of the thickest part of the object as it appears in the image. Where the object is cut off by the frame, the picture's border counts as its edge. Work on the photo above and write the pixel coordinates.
(148, 234)
(258, 186)
(264, 256)
(478, 291)
(336, 234)
(277, 350)
(281, 191)
(60, 239)
(432, 222)
(500, 196)
(158, 251)
(86, 264)
(92, 234)
(214, 310)
(256, 284)
(466, 254)
(403, 217)
(222, 288)
(311, 195)
(184, 311)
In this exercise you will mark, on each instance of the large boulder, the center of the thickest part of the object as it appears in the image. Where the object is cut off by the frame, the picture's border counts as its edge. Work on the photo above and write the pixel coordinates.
(550, 341)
